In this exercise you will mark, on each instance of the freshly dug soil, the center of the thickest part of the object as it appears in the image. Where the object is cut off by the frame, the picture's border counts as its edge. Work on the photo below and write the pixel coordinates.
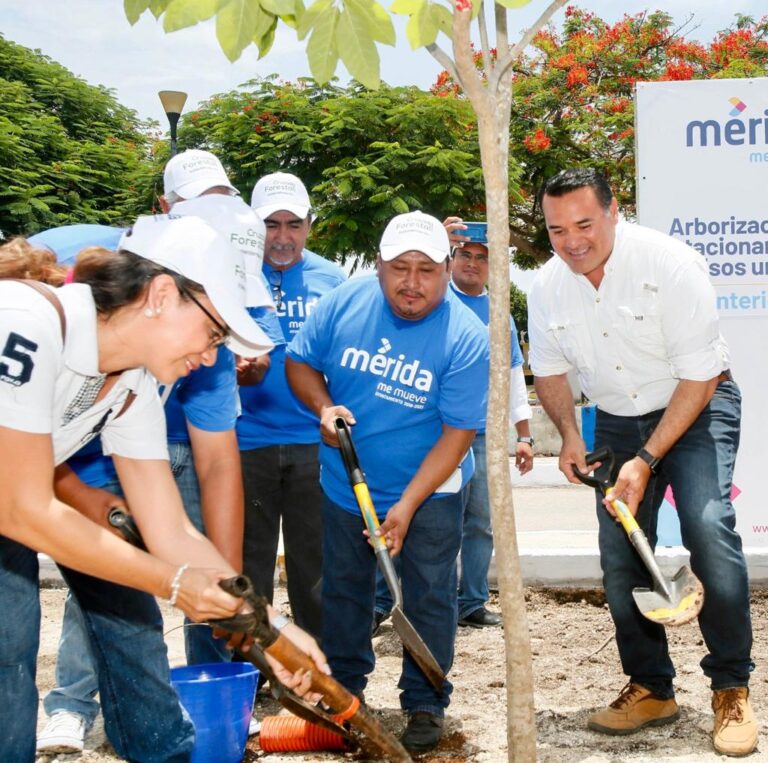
(576, 670)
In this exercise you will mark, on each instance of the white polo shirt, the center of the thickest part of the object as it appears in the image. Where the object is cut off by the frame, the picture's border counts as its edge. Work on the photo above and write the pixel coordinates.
(39, 378)
(652, 322)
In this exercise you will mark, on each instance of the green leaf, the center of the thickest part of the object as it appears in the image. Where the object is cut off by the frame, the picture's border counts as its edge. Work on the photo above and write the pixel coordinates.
(185, 13)
(279, 7)
(158, 7)
(236, 24)
(513, 3)
(376, 18)
(358, 50)
(310, 16)
(421, 29)
(406, 7)
(133, 9)
(264, 43)
(443, 18)
(322, 52)
(399, 205)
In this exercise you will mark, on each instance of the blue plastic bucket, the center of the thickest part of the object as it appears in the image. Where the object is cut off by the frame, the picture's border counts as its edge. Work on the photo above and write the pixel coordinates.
(219, 699)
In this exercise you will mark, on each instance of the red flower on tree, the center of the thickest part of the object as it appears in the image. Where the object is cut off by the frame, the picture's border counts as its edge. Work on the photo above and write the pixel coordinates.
(537, 142)
(577, 76)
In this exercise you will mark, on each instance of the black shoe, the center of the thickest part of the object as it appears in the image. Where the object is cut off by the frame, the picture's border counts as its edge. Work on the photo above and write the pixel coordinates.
(481, 618)
(378, 619)
(422, 733)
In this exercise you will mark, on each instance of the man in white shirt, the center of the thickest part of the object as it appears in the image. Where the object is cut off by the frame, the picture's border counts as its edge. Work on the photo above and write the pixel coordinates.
(633, 311)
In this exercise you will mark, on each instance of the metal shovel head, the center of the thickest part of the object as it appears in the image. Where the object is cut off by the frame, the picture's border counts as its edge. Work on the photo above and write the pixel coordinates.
(683, 604)
(418, 649)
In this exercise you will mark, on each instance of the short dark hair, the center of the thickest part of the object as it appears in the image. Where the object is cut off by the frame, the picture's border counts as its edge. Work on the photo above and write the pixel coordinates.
(120, 278)
(570, 180)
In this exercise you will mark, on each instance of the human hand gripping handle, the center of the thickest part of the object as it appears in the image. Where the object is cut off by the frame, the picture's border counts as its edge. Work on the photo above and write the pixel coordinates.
(328, 417)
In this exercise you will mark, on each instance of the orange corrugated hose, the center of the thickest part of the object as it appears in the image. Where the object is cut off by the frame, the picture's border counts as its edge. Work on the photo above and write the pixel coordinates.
(287, 733)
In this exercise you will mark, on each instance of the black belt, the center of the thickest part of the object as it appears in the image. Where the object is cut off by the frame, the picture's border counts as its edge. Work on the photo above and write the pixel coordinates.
(725, 375)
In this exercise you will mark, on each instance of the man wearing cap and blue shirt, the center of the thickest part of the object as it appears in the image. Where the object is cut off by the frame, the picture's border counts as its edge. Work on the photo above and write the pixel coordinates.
(278, 435)
(468, 279)
(400, 358)
(201, 411)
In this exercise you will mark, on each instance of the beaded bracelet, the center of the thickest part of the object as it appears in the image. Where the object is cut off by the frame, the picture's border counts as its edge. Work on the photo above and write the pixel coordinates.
(176, 584)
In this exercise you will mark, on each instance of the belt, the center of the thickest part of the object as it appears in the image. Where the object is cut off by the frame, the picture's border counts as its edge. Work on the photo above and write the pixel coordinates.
(725, 375)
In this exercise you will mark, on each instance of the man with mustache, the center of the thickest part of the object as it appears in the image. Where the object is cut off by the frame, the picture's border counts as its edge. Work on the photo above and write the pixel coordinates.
(277, 434)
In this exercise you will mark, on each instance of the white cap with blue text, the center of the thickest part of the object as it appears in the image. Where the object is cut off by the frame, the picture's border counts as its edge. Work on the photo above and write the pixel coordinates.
(190, 247)
(243, 228)
(415, 232)
(280, 192)
(193, 172)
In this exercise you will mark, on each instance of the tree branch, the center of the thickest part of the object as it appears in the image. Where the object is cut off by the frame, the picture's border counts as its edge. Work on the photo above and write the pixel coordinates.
(445, 61)
(512, 55)
(502, 36)
(488, 64)
(470, 81)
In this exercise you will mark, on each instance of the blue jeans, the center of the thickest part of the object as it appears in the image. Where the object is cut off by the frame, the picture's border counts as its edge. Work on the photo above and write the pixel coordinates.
(700, 470)
(428, 567)
(282, 483)
(199, 643)
(142, 715)
(477, 537)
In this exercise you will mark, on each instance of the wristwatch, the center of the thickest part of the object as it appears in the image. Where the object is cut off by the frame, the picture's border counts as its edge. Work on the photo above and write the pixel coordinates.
(526, 440)
(652, 461)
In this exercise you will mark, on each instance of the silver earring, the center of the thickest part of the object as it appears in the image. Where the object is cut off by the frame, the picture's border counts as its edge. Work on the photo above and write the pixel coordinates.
(149, 312)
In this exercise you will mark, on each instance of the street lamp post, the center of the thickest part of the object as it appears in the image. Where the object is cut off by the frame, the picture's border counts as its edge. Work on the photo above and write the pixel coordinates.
(173, 102)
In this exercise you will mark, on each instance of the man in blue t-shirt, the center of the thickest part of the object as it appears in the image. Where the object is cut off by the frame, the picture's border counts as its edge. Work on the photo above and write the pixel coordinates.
(277, 434)
(469, 276)
(403, 361)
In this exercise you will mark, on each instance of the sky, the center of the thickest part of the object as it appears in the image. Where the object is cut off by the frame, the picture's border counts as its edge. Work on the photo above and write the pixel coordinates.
(93, 39)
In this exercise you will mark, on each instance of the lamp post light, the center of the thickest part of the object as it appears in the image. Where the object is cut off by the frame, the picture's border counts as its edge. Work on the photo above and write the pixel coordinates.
(173, 102)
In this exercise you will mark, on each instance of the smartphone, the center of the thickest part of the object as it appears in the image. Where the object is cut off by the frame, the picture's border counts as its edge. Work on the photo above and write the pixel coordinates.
(475, 232)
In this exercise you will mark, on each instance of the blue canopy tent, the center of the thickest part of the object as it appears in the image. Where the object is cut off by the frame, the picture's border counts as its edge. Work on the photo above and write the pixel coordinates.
(66, 241)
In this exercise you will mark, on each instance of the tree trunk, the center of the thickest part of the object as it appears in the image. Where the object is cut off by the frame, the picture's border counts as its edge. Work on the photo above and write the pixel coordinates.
(492, 107)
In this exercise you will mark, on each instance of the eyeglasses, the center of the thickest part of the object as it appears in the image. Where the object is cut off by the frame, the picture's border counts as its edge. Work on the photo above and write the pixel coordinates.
(218, 335)
(467, 256)
(276, 282)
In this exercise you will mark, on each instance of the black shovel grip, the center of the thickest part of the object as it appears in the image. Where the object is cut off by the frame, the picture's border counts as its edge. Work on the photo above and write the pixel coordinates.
(348, 452)
(603, 455)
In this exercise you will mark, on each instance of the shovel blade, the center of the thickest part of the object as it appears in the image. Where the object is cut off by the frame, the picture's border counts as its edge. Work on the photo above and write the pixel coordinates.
(418, 649)
(683, 604)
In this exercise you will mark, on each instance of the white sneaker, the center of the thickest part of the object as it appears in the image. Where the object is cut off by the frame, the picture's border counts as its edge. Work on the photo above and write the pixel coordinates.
(64, 732)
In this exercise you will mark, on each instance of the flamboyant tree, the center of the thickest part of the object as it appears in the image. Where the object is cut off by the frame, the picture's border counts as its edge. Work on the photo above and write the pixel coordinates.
(350, 30)
(69, 152)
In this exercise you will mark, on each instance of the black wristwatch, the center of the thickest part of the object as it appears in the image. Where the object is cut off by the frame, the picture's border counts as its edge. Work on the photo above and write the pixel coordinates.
(526, 440)
(652, 461)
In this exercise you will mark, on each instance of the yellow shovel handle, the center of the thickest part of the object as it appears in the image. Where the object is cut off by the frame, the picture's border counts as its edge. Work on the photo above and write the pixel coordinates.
(369, 515)
(628, 522)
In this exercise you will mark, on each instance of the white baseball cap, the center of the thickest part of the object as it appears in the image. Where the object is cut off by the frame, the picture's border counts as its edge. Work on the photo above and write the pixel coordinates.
(280, 191)
(243, 228)
(193, 172)
(191, 247)
(415, 232)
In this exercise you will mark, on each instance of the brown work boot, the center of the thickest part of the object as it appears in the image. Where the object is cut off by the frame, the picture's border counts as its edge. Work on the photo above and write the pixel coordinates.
(635, 708)
(735, 730)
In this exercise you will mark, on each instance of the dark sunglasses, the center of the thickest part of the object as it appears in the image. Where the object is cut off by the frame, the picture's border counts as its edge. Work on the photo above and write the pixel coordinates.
(276, 282)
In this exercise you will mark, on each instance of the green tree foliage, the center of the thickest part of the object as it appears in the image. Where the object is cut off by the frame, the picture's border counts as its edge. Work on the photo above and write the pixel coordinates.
(364, 155)
(69, 152)
(573, 98)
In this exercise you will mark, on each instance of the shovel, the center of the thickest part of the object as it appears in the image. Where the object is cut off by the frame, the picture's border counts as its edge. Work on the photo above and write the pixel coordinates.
(408, 634)
(346, 706)
(673, 601)
(125, 523)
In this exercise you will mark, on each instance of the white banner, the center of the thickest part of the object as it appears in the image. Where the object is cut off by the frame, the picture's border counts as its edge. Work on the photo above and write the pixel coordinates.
(702, 176)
